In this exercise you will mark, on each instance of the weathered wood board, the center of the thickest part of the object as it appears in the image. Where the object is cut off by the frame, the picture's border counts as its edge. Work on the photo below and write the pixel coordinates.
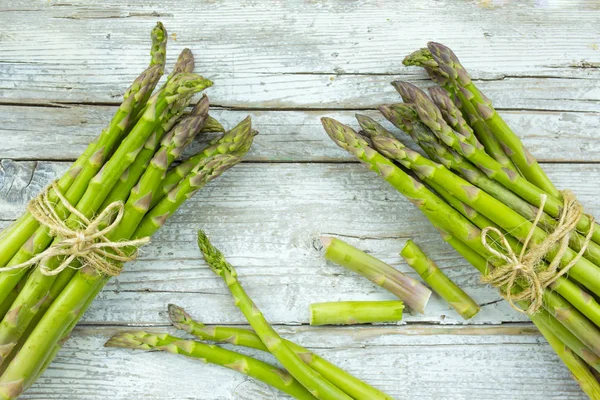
(65, 65)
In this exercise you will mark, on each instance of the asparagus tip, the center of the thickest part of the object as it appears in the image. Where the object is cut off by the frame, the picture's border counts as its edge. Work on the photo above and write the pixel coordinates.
(213, 256)
(179, 317)
(407, 90)
(419, 58)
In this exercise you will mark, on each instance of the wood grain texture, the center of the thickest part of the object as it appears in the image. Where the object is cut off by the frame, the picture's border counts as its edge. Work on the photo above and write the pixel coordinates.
(407, 362)
(290, 54)
(267, 218)
(284, 135)
(65, 66)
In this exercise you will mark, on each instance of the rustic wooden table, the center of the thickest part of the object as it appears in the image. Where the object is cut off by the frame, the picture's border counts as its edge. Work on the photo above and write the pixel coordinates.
(65, 64)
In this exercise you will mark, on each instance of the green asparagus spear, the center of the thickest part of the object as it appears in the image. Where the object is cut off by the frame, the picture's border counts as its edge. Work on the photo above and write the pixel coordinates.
(407, 289)
(355, 312)
(312, 381)
(267, 373)
(431, 116)
(455, 119)
(158, 51)
(236, 142)
(243, 337)
(458, 77)
(438, 281)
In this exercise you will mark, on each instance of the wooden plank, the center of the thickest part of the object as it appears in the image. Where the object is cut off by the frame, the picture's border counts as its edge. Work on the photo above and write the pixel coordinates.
(267, 218)
(88, 51)
(314, 91)
(406, 362)
(284, 135)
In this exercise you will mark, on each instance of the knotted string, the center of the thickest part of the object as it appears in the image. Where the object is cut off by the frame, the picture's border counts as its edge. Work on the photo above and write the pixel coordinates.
(89, 244)
(529, 268)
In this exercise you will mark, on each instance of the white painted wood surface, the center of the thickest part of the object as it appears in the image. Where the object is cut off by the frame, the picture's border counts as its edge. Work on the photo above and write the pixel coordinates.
(287, 63)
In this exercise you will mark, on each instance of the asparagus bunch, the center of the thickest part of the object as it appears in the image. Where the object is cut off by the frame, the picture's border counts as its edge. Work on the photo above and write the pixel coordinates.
(480, 176)
(125, 169)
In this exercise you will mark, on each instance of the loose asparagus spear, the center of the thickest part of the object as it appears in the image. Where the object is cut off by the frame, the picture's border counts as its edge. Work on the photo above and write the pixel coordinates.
(244, 337)
(407, 289)
(355, 312)
(236, 142)
(75, 297)
(440, 213)
(312, 381)
(431, 116)
(438, 281)
(267, 373)
(457, 76)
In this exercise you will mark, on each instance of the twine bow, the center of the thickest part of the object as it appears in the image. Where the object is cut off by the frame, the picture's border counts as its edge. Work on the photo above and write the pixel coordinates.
(89, 244)
(528, 270)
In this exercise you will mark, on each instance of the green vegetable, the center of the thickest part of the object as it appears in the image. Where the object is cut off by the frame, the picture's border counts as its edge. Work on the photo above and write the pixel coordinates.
(355, 312)
(312, 381)
(407, 289)
(353, 386)
(440, 283)
(267, 373)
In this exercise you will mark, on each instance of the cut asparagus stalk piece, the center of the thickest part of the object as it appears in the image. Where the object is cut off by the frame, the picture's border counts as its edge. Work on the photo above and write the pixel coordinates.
(412, 292)
(355, 312)
(438, 281)
(264, 372)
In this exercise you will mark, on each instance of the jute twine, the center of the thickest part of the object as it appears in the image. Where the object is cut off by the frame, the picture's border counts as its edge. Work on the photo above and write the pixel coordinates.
(88, 244)
(528, 269)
